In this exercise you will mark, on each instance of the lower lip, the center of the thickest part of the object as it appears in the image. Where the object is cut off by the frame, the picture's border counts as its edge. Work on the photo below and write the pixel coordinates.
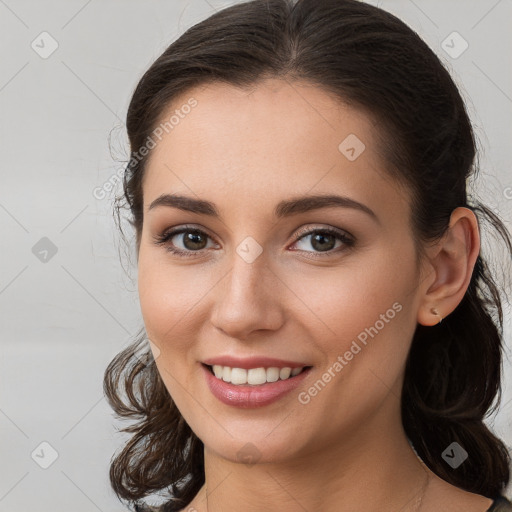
(247, 396)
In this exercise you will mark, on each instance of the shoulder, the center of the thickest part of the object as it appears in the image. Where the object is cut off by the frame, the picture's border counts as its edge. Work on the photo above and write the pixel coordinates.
(450, 498)
(501, 504)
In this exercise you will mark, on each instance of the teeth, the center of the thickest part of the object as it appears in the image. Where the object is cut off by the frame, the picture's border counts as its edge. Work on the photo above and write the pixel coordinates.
(226, 374)
(238, 376)
(254, 376)
(284, 373)
(272, 374)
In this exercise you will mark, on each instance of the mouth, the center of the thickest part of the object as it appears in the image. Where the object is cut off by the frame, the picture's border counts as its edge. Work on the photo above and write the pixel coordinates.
(254, 376)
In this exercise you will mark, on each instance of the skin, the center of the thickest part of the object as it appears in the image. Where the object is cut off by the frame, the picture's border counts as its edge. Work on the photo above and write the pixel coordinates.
(246, 150)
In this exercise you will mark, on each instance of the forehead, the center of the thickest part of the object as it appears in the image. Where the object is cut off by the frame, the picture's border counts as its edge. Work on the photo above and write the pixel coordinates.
(273, 140)
(288, 120)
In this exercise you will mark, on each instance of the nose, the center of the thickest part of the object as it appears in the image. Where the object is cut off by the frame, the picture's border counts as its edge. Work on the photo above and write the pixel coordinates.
(248, 299)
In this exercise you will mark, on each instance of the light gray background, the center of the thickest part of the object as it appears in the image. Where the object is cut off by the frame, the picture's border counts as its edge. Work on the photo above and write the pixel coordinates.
(63, 320)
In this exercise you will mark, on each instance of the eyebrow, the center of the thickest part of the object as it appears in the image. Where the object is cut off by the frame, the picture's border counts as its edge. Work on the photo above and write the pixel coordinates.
(283, 209)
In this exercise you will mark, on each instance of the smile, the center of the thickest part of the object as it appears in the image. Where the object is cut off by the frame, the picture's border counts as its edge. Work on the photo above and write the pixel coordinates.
(253, 387)
(253, 376)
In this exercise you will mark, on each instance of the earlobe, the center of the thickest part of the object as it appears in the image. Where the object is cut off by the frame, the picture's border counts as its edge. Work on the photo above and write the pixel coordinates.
(429, 316)
(434, 311)
(453, 259)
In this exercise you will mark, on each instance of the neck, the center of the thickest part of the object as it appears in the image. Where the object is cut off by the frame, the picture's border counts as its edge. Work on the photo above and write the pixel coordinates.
(375, 468)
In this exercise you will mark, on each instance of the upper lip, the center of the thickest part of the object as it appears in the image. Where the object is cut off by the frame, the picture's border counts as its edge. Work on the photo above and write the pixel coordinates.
(253, 362)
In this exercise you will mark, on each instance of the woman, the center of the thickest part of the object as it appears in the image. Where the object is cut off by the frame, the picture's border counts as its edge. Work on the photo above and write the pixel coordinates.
(324, 333)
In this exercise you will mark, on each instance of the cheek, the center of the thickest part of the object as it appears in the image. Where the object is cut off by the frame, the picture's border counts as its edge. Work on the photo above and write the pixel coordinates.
(370, 321)
(346, 300)
(169, 297)
(172, 299)
(364, 314)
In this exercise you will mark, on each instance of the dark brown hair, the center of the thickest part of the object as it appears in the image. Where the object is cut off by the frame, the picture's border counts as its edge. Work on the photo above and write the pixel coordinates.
(371, 60)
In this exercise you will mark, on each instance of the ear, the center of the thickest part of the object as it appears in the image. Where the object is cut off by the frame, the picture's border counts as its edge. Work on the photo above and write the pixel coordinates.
(451, 262)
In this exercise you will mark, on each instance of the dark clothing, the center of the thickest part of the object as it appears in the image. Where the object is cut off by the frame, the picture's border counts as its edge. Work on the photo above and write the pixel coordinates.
(501, 504)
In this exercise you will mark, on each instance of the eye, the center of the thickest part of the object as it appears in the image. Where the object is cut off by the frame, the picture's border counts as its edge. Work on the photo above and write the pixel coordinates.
(323, 240)
(194, 240)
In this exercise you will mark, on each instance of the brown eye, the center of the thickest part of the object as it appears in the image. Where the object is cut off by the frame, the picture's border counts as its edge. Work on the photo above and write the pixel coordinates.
(193, 241)
(324, 240)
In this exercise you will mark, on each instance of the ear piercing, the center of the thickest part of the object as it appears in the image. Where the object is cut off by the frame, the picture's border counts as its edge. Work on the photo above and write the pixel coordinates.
(434, 311)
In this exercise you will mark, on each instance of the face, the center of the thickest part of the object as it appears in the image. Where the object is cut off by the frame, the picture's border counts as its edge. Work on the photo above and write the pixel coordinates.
(258, 282)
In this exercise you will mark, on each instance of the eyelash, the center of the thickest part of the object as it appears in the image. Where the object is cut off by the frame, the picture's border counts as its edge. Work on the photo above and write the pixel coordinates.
(162, 239)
